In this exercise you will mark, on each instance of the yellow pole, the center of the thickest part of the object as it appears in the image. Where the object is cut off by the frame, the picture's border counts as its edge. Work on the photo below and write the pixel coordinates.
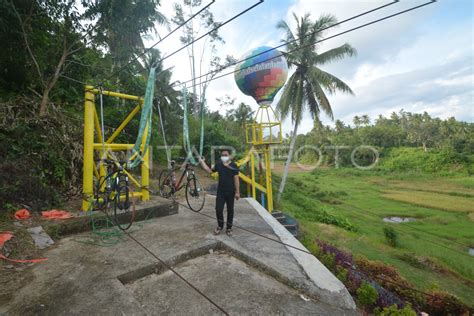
(146, 176)
(116, 94)
(268, 174)
(88, 172)
(252, 174)
(124, 123)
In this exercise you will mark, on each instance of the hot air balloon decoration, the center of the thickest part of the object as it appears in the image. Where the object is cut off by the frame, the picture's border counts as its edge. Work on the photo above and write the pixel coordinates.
(261, 77)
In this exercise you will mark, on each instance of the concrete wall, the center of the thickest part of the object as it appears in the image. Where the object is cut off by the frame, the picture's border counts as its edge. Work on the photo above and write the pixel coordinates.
(327, 287)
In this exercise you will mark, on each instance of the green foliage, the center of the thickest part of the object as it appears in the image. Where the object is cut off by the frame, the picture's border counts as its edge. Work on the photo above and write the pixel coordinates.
(395, 311)
(416, 160)
(42, 157)
(442, 303)
(391, 236)
(342, 275)
(406, 142)
(328, 260)
(301, 196)
(366, 295)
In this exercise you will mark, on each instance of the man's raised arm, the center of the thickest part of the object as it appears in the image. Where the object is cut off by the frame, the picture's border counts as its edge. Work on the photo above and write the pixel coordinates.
(204, 165)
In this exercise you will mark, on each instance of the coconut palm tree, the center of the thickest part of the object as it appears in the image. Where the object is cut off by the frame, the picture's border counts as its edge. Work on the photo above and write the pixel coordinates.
(242, 114)
(307, 87)
(121, 23)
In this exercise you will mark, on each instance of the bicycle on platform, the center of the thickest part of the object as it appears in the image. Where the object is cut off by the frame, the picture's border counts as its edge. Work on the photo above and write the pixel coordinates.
(194, 191)
(113, 191)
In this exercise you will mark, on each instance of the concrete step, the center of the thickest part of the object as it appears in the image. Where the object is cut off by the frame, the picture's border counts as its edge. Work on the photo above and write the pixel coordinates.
(287, 221)
(277, 214)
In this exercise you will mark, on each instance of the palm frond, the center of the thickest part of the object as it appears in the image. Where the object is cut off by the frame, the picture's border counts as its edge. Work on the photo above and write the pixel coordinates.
(282, 25)
(285, 102)
(334, 54)
(323, 100)
(298, 105)
(323, 22)
(328, 81)
(311, 98)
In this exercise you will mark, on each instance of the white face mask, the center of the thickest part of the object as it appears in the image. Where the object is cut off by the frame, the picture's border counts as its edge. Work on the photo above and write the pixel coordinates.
(225, 158)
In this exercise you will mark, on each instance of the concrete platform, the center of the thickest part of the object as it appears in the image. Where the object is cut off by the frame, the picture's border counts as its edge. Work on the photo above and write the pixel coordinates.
(81, 222)
(244, 274)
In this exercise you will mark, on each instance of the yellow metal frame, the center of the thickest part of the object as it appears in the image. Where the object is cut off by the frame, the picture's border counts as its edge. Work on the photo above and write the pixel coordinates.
(265, 120)
(94, 142)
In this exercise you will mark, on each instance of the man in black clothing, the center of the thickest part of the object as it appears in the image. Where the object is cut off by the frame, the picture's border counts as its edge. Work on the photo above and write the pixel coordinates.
(228, 188)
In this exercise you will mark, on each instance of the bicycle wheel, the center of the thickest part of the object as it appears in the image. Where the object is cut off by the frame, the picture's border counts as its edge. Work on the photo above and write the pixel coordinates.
(162, 176)
(167, 186)
(195, 194)
(124, 207)
(100, 197)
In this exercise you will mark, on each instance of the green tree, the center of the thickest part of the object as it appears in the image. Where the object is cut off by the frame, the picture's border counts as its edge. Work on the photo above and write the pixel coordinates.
(242, 114)
(357, 121)
(51, 34)
(307, 86)
(120, 24)
(203, 22)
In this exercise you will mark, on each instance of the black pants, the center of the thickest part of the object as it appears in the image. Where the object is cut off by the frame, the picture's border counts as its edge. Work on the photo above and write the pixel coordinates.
(225, 197)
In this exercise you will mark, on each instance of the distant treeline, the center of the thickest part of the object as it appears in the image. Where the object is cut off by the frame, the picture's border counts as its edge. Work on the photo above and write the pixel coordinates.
(404, 141)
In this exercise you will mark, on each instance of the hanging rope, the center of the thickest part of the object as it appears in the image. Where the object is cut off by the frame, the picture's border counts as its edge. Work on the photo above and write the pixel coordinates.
(186, 142)
(102, 128)
(142, 142)
(201, 138)
(168, 153)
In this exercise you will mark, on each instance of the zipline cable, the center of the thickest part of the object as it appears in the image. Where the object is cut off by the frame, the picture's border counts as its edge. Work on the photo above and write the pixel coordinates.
(301, 250)
(289, 42)
(213, 30)
(219, 70)
(319, 41)
(191, 42)
(146, 50)
(232, 64)
(104, 239)
(177, 274)
(163, 38)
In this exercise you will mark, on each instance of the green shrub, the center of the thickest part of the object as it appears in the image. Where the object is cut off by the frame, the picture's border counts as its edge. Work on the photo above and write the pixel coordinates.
(342, 275)
(408, 159)
(391, 236)
(41, 157)
(367, 295)
(442, 303)
(328, 260)
(395, 311)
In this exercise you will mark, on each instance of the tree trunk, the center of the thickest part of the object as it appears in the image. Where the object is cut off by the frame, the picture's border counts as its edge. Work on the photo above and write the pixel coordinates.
(52, 82)
(44, 101)
(287, 164)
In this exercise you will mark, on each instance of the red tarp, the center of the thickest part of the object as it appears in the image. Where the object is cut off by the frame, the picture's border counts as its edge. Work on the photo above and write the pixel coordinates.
(22, 214)
(4, 236)
(56, 214)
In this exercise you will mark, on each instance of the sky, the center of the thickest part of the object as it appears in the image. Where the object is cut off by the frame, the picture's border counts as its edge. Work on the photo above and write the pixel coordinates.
(419, 61)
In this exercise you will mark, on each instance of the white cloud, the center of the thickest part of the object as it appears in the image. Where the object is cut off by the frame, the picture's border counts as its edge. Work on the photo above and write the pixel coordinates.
(417, 61)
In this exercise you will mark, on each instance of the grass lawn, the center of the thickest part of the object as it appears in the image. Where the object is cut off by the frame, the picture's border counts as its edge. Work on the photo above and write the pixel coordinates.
(346, 208)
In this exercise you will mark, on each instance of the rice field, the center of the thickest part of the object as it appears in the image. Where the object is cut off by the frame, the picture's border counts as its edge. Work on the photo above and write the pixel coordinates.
(443, 230)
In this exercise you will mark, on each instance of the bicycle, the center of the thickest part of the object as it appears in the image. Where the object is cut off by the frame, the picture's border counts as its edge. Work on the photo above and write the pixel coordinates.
(195, 194)
(114, 189)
